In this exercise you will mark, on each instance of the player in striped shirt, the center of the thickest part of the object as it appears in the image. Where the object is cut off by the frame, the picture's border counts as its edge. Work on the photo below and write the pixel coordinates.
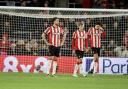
(79, 45)
(55, 39)
(95, 34)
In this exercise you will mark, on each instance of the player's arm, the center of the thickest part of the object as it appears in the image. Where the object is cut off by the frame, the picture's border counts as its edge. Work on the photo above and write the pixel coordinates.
(73, 46)
(101, 28)
(89, 32)
(44, 36)
(86, 44)
(103, 33)
(73, 43)
(64, 36)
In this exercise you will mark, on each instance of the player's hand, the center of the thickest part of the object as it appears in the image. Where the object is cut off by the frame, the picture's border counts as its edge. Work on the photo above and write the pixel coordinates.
(73, 52)
(101, 28)
(49, 44)
(87, 50)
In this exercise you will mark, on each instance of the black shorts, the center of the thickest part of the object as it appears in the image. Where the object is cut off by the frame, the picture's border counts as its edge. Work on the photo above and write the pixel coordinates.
(79, 54)
(54, 51)
(96, 51)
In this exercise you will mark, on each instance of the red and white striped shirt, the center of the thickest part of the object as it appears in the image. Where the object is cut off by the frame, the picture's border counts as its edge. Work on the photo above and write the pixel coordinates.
(79, 40)
(95, 37)
(54, 35)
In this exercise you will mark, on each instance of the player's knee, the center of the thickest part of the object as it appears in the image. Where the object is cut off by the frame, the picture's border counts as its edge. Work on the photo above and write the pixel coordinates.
(50, 58)
(96, 60)
(79, 62)
(55, 59)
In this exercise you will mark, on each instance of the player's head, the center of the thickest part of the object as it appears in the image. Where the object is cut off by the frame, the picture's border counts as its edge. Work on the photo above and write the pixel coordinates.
(98, 25)
(80, 26)
(55, 21)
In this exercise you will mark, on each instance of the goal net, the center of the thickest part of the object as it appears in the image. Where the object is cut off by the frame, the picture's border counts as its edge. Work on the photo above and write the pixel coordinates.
(22, 27)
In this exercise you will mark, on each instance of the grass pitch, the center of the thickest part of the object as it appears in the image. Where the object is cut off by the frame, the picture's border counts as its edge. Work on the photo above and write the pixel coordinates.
(40, 81)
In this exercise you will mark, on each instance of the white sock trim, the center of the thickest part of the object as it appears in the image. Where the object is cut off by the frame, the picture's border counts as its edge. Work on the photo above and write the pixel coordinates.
(54, 67)
(95, 67)
(49, 66)
(76, 67)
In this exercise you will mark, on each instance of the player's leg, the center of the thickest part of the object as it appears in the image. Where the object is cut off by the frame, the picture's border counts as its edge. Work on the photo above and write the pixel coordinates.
(50, 58)
(95, 63)
(56, 56)
(78, 65)
(92, 66)
(80, 68)
(96, 60)
(54, 65)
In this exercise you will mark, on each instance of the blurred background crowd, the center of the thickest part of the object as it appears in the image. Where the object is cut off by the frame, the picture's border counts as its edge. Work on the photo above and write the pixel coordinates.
(22, 35)
(68, 3)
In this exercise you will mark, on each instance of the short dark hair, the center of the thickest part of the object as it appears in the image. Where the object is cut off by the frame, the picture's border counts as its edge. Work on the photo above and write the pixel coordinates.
(99, 23)
(54, 19)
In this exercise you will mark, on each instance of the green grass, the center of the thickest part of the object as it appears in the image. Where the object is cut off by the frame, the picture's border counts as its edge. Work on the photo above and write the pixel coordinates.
(39, 81)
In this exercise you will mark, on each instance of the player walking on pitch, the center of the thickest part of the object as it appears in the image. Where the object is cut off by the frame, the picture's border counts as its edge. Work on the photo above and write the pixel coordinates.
(95, 34)
(79, 42)
(56, 38)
